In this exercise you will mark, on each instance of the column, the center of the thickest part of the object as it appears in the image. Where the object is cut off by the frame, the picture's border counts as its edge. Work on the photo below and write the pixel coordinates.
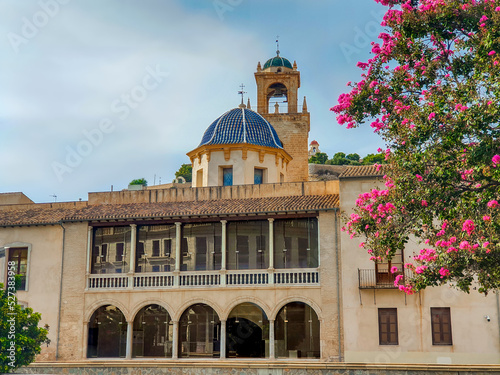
(223, 339)
(85, 341)
(89, 249)
(133, 244)
(175, 339)
(223, 244)
(178, 234)
(130, 330)
(271, 339)
(271, 251)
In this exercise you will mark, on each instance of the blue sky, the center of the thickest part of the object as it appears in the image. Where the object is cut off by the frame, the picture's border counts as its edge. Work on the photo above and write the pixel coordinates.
(95, 93)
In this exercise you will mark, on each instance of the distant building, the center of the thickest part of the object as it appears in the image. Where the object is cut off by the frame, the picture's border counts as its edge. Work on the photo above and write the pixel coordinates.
(314, 148)
(248, 262)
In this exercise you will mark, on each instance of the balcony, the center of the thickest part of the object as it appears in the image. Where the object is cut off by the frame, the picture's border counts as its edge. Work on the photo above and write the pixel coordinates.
(204, 279)
(370, 279)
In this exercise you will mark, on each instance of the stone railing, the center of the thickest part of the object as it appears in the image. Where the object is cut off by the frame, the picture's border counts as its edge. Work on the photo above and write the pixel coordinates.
(196, 279)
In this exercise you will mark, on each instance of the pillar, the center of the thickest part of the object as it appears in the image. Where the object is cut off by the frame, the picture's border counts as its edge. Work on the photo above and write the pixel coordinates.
(133, 245)
(89, 249)
(223, 339)
(130, 330)
(178, 234)
(175, 340)
(271, 339)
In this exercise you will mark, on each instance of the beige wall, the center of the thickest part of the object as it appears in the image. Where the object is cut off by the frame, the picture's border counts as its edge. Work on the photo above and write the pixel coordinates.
(475, 340)
(44, 272)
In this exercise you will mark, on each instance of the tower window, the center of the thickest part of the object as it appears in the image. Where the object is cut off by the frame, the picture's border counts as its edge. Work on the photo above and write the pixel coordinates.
(227, 176)
(258, 176)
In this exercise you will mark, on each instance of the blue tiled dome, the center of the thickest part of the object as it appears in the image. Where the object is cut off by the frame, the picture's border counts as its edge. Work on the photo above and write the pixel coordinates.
(241, 125)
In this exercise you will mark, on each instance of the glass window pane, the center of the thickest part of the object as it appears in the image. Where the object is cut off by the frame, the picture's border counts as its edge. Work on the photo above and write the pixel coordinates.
(150, 256)
(199, 332)
(258, 176)
(227, 176)
(107, 335)
(152, 335)
(111, 249)
(296, 243)
(247, 244)
(297, 332)
(20, 258)
(247, 332)
(201, 246)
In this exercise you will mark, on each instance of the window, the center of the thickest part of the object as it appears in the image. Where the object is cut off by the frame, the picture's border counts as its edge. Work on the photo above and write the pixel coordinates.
(227, 176)
(201, 246)
(18, 259)
(383, 273)
(258, 176)
(247, 245)
(296, 243)
(441, 326)
(111, 249)
(155, 250)
(388, 326)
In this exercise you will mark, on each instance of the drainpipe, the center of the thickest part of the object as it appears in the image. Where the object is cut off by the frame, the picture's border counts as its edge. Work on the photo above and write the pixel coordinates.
(60, 292)
(338, 282)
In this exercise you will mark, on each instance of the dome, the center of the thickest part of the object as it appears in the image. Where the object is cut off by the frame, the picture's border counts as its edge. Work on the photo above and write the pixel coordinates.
(314, 143)
(241, 125)
(277, 61)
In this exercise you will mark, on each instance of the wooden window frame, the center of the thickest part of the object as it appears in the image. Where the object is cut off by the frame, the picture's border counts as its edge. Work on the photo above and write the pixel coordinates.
(385, 327)
(437, 314)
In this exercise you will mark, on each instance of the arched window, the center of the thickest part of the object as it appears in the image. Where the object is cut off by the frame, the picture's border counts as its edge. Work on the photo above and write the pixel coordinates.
(297, 332)
(247, 332)
(199, 332)
(152, 335)
(107, 333)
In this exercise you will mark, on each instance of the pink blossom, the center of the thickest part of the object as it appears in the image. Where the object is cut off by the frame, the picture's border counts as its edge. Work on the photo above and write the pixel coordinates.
(491, 53)
(444, 272)
(420, 178)
(398, 279)
(486, 218)
(468, 226)
(421, 269)
(394, 269)
(464, 245)
(432, 115)
(485, 244)
(492, 204)
(496, 160)
(424, 203)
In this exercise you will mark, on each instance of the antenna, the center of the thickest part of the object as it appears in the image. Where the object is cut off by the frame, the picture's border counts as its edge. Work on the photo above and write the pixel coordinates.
(54, 196)
(277, 45)
(241, 92)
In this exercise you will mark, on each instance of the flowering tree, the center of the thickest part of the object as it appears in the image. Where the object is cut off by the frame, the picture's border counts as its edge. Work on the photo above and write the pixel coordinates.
(432, 92)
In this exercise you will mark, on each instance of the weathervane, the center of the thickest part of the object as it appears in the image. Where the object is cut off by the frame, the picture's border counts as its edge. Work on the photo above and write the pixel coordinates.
(277, 45)
(241, 92)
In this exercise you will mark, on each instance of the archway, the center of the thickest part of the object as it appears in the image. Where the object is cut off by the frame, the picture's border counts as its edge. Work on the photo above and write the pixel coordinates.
(107, 333)
(247, 332)
(153, 333)
(297, 330)
(199, 332)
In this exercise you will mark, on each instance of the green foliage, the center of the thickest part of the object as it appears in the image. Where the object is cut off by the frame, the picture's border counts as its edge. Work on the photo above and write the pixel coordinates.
(432, 92)
(186, 171)
(20, 336)
(318, 158)
(371, 159)
(353, 157)
(139, 181)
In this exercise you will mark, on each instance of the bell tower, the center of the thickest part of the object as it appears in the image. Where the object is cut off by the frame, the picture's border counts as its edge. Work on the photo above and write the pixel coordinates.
(278, 82)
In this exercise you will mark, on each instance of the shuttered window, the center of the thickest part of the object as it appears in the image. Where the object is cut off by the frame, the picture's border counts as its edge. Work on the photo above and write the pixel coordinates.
(441, 326)
(388, 326)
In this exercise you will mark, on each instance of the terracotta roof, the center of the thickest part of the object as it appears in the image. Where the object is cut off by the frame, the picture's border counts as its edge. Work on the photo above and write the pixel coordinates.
(357, 171)
(49, 215)
(207, 207)
(34, 215)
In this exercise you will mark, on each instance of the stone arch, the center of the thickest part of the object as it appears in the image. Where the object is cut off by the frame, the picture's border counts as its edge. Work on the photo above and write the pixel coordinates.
(194, 301)
(258, 302)
(288, 300)
(138, 306)
(108, 301)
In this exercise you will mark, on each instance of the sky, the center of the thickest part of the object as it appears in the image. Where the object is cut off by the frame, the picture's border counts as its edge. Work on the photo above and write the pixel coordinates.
(96, 93)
